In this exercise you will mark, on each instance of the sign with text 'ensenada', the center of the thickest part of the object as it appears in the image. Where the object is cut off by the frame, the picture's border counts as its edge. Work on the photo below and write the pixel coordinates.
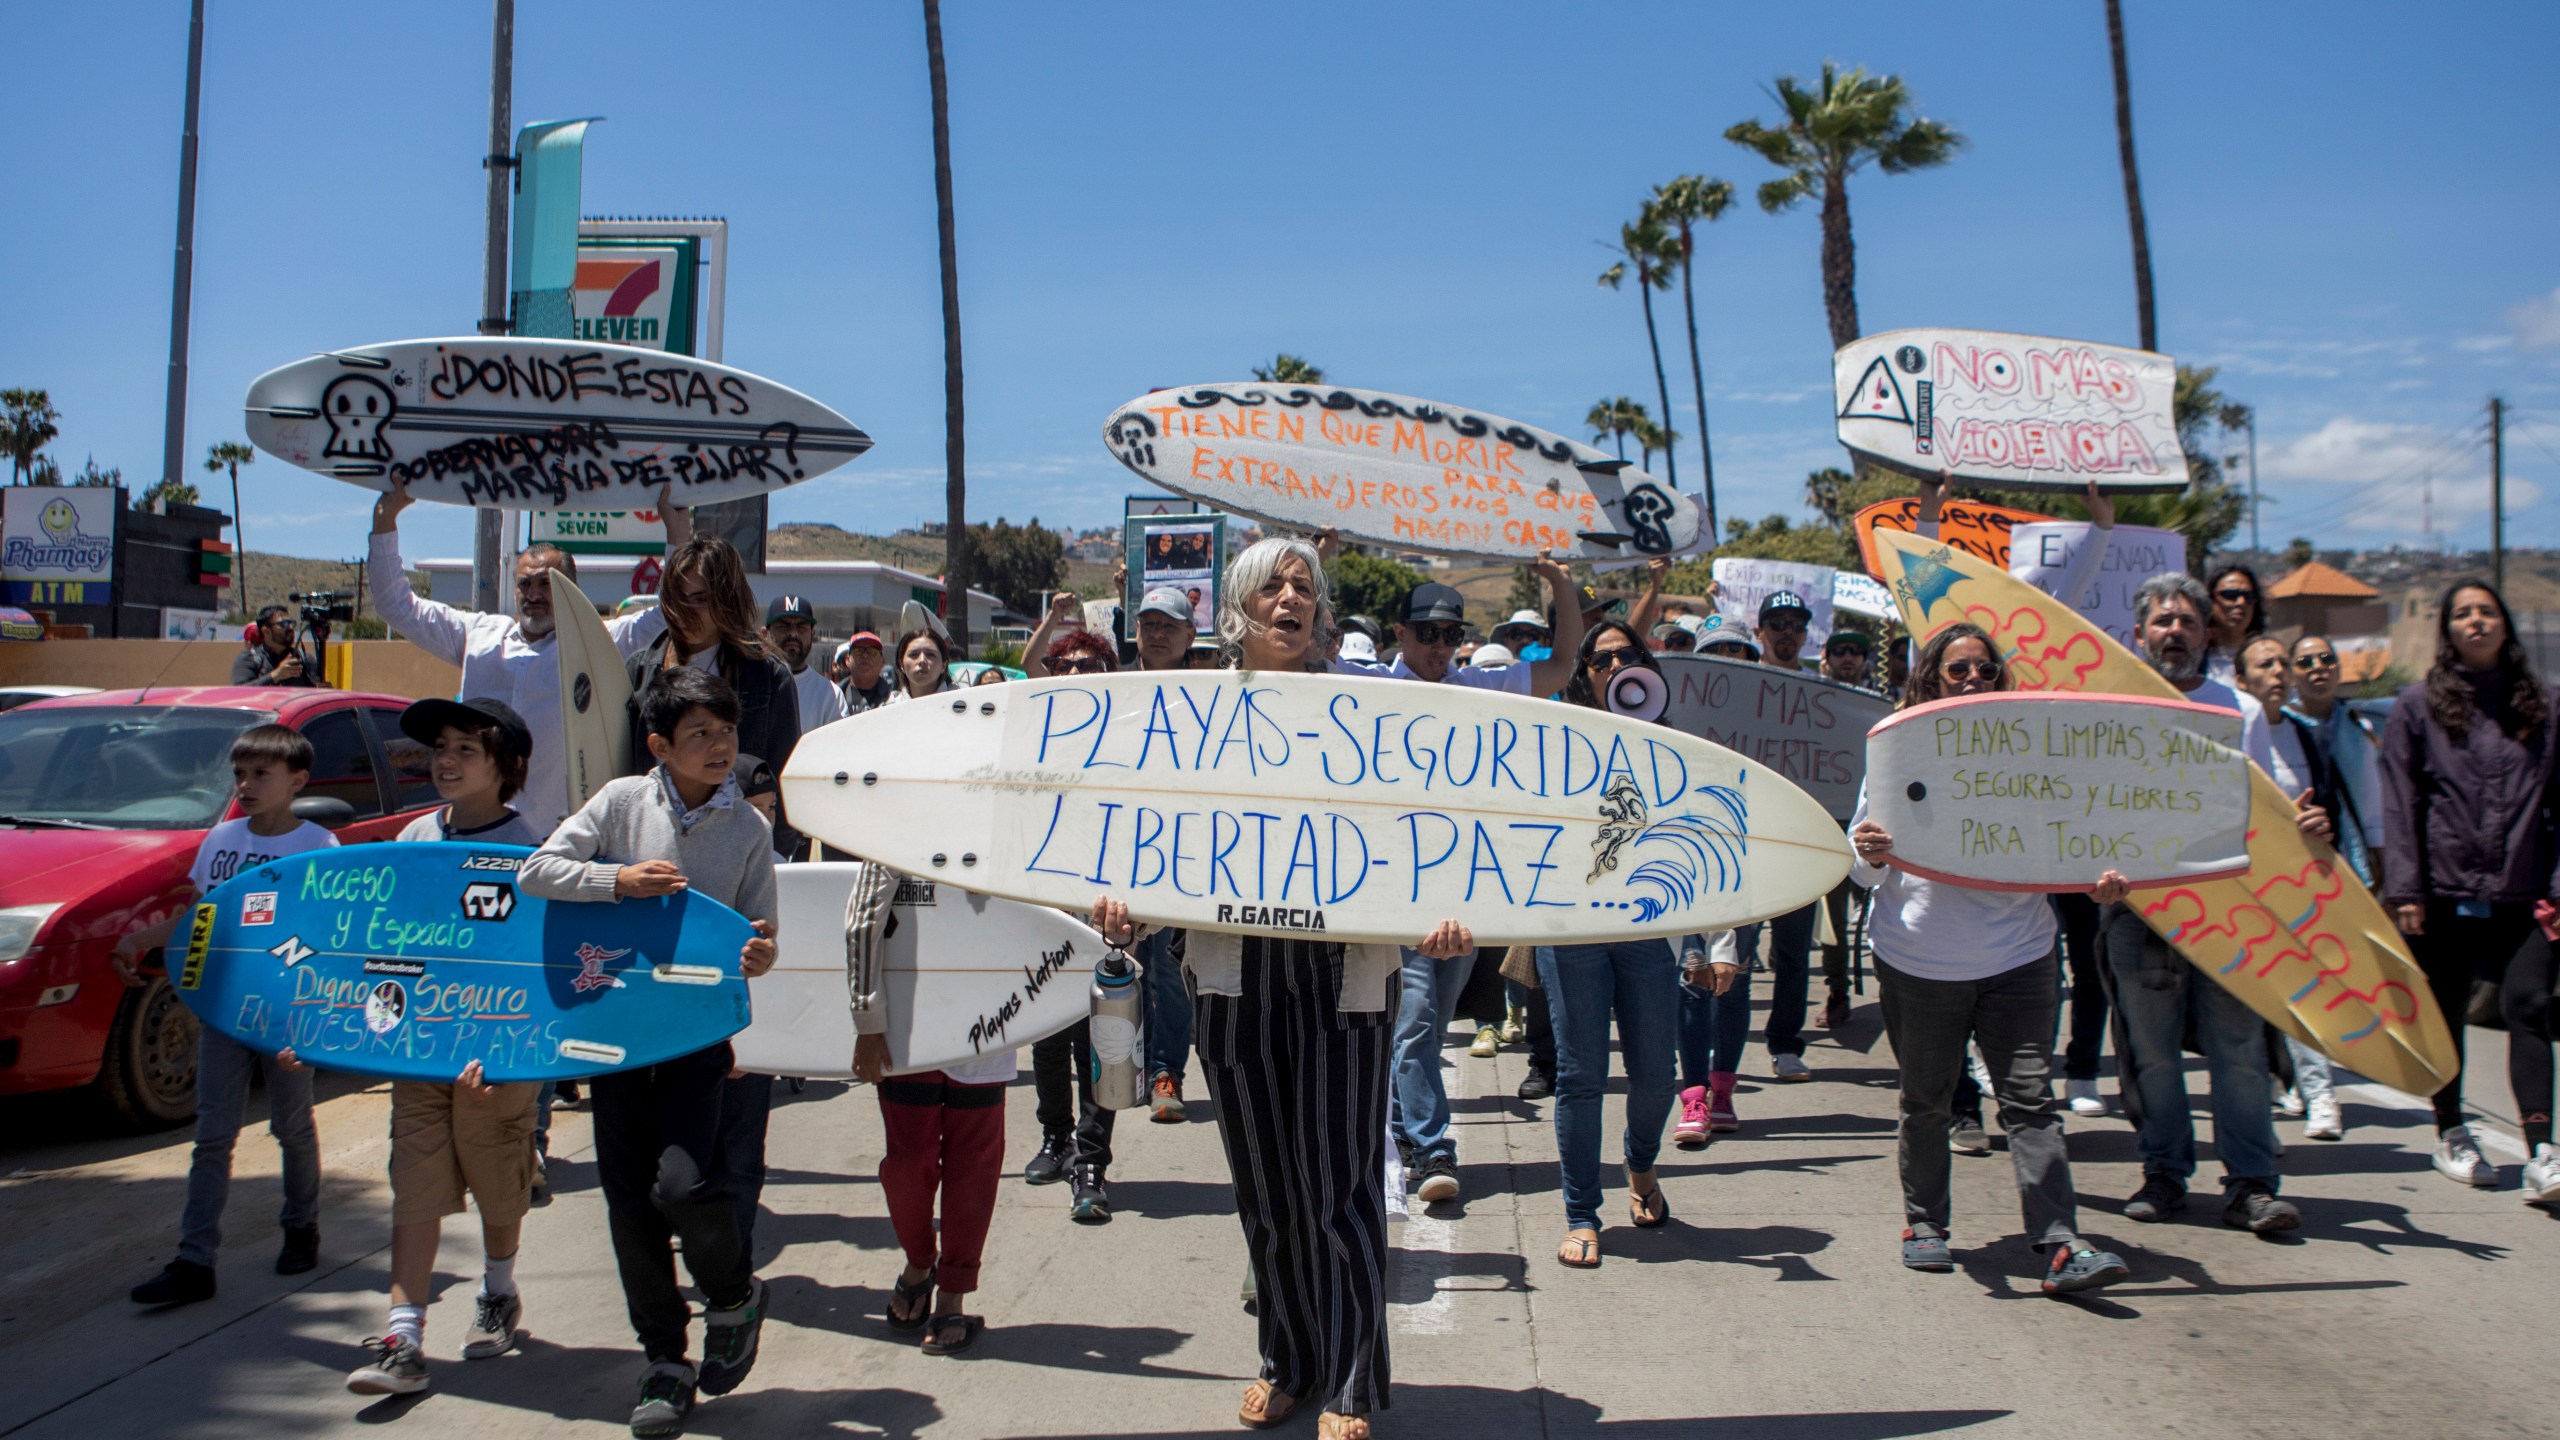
(508, 422)
(2017, 411)
(1811, 730)
(57, 536)
(2040, 554)
(1395, 471)
(2025, 791)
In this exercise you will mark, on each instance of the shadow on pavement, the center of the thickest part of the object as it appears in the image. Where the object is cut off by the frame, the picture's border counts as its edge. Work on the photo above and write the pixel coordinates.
(1438, 1410)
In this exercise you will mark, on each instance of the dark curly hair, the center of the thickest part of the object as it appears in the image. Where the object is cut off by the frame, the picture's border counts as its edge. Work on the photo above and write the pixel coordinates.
(1578, 690)
(1928, 682)
(2449, 695)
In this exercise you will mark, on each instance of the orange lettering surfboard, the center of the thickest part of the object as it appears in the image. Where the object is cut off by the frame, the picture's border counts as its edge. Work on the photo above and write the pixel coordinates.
(2298, 938)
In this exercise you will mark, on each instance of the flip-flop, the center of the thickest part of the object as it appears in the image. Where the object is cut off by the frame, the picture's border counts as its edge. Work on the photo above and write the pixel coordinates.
(902, 1294)
(1579, 1251)
(1265, 1405)
(1648, 1209)
(971, 1326)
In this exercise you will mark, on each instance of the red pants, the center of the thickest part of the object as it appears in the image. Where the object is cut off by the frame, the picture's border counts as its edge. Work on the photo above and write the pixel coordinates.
(950, 1137)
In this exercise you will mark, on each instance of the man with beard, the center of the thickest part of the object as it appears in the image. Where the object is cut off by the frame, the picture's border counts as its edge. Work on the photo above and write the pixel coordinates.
(2158, 996)
(867, 681)
(790, 629)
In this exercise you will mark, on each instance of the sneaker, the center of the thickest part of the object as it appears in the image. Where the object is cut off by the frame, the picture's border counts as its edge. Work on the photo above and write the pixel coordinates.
(2078, 1266)
(666, 1397)
(2082, 1096)
(1165, 1098)
(565, 1095)
(1925, 1248)
(729, 1342)
(396, 1368)
(2254, 1208)
(1050, 1165)
(2159, 1198)
(2290, 1106)
(1488, 1043)
(1789, 1069)
(496, 1322)
(2322, 1121)
(1092, 1202)
(1515, 1025)
(1691, 1132)
(184, 1282)
(1967, 1137)
(541, 1180)
(301, 1250)
(1835, 1011)
(1536, 1085)
(2458, 1159)
(1981, 1072)
(1438, 1179)
(1720, 1116)
(2542, 1176)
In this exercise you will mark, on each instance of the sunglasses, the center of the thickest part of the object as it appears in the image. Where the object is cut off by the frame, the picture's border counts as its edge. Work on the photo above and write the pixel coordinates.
(1783, 622)
(2235, 595)
(1678, 644)
(1611, 659)
(1730, 652)
(1438, 634)
(1970, 669)
(2315, 662)
(1081, 665)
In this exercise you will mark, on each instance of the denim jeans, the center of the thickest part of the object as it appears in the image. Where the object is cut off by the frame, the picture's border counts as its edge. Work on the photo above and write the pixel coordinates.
(1168, 1007)
(1418, 1101)
(543, 1100)
(1790, 952)
(2158, 993)
(1542, 1033)
(1639, 982)
(2311, 1078)
(1931, 1024)
(223, 1069)
(1713, 1027)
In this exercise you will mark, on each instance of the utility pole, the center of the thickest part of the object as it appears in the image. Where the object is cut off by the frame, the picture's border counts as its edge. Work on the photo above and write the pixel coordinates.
(2498, 493)
(173, 443)
(489, 536)
(2254, 546)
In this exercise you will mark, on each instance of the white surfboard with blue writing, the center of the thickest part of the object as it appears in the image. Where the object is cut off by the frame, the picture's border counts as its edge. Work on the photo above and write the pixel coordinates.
(2047, 791)
(1318, 805)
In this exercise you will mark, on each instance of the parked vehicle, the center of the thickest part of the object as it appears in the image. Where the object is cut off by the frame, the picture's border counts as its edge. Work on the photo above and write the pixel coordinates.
(13, 696)
(104, 798)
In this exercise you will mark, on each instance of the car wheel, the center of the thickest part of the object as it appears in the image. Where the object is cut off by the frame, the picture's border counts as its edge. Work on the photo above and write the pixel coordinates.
(149, 1078)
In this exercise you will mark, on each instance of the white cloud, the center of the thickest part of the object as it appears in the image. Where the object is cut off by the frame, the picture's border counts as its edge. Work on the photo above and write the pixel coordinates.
(2537, 321)
(2479, 344)
(2357, 452)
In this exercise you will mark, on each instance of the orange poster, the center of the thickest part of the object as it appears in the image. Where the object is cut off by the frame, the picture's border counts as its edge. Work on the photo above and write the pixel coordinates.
(1979, 530)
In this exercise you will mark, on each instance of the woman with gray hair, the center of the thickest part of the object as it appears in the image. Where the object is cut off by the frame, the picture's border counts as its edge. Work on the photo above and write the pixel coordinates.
(1293, 1036)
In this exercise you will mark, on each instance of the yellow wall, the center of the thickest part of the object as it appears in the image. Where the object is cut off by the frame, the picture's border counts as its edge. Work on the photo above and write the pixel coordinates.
(389, 667)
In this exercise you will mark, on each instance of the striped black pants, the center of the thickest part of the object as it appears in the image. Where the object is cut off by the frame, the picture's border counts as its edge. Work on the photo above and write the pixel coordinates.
(1300, 1087)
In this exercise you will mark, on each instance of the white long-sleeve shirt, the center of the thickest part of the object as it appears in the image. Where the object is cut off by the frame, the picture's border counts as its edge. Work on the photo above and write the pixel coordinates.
(499, 663)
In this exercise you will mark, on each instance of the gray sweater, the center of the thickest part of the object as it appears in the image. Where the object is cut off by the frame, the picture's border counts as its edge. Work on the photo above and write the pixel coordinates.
(726, 852)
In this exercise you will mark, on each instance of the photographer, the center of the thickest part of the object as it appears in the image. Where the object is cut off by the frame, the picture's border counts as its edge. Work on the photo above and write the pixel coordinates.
(274, 659)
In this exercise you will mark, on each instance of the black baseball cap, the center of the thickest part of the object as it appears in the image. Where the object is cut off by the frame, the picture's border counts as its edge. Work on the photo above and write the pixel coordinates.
(1857, 640)
(790, 607)
(426, 720)
(754, 776)
(1432, 600)
(1777, 600)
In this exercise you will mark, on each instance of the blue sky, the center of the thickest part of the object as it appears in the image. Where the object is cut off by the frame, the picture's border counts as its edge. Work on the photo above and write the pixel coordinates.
(2352, 210)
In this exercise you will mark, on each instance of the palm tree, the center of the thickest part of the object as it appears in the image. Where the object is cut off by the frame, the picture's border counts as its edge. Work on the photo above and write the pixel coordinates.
(27, 425)
(1651, 437)
(1826, 136)
(1682, 204)
(2132, 178)
(231, 455)
(955, 530)
(1614, 418)
(1645, 245)
(1288, 369)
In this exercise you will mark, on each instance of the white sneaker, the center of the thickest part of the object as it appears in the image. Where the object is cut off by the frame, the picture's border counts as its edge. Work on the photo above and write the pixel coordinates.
(2323, 1121)
(2083, 1097)
(2459, 1159)
(2289, 1105)
(1981, 1074)
(396, 1368)
(496, 1322)
(1790, 1068)
(2542, 1176)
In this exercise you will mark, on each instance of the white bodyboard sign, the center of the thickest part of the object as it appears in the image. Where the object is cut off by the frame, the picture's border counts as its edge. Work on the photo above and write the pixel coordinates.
(2020, 412)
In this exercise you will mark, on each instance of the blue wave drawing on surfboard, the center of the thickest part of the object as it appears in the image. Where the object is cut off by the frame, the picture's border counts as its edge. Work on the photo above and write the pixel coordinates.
(1705, 854)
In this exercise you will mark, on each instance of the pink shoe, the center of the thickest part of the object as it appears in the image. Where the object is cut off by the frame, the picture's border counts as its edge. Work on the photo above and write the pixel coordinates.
(1691, 1132)
(1720, 1116)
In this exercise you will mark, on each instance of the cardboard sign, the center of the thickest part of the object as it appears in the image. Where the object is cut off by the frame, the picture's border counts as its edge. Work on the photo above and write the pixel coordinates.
(2040, 553)
(1742, 584)
(1977, 529)
(1811, 730)
(1861, 593)
(2020, 412)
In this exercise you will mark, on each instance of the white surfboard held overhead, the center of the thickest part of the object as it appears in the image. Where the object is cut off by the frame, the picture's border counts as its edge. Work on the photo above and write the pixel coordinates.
(1392, 470)
(1326, 806)
(513, 423)
(595, 693)
(2046, 791)
(2022, 412)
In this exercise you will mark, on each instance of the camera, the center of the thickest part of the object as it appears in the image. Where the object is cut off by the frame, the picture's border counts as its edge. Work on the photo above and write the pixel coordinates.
(324, 608)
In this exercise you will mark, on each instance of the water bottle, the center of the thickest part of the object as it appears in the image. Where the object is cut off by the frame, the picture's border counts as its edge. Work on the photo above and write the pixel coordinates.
(1119, 1029)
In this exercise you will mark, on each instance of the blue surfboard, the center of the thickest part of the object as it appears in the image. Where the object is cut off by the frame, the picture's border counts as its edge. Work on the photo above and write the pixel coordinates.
(410, 961)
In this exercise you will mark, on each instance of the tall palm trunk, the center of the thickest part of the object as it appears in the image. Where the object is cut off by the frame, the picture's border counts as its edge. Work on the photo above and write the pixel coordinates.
(1697, 375)
(955, 539)
(1661, 385)
(1839, 261)
(2132, 178)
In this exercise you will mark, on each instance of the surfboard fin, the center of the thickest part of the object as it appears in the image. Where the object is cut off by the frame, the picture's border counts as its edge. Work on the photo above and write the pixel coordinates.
(1600, 467)
(1610, 538)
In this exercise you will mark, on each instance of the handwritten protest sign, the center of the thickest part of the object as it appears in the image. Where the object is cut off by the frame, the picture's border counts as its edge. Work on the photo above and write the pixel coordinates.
(2021, 412)
(1811, 730)
(1742, 584)
(2040, 553)
(1971, 526)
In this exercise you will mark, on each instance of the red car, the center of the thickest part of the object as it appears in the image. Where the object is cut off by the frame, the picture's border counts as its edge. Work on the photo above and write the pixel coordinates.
(103, 801)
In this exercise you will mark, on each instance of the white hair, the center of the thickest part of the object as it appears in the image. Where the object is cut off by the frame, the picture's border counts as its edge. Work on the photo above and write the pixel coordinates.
(1251, 571)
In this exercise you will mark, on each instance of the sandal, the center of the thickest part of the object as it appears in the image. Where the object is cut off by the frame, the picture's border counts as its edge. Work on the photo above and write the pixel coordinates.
(1581, 1250)
(1647, 1208)
(1265, 1405)
(939, 1340)
(1333, 1426)
(919, 1295)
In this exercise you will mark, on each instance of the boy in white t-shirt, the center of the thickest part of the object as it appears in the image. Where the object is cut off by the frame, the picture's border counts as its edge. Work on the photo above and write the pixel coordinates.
(269, 766)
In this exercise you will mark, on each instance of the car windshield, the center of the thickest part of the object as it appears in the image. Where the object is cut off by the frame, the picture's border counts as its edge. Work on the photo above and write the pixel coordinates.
(125, 767)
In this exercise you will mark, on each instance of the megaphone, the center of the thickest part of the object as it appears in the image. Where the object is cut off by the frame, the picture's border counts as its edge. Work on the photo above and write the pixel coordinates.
(1638, 692)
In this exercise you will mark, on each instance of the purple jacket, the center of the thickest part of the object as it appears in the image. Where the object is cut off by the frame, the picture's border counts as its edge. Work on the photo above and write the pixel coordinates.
(2468, 820)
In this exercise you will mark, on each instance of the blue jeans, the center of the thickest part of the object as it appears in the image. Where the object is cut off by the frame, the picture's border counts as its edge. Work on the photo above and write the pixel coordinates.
(2157, 993)
(1713, 1027)
(1168, 1008)
(223, 1069)
(1417, 1101)
(1639, 982)
(1790, 953)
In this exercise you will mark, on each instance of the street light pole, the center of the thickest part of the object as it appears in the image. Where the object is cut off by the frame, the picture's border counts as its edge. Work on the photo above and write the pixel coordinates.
(173, 443)
(489, 536)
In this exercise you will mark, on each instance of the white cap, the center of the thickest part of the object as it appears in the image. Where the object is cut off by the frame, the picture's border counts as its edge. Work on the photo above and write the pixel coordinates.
(1492, 657)
(1356, 646)
(1530, 618)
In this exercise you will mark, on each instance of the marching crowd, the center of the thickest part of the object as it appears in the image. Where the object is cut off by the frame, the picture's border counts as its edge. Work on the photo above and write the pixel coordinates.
(1314, 1055)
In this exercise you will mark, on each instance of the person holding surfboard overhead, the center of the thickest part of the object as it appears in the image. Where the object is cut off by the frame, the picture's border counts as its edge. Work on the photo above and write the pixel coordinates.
(1956, 965)
(502, 658)
(1293, 1036)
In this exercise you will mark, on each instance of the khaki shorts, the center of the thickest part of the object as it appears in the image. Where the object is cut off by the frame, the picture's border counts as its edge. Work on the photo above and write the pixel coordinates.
(445, 1140)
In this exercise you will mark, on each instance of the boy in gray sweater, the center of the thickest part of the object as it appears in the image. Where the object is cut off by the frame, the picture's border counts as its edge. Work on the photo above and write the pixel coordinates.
(681, 826)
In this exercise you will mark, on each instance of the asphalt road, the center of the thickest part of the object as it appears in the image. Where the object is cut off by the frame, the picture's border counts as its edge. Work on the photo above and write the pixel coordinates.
(1771, 1306)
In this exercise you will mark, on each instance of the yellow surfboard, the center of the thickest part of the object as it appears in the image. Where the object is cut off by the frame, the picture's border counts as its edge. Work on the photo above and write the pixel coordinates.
(2298, 938)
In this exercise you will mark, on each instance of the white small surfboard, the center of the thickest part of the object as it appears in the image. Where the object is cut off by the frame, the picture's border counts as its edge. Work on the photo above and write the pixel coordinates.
(1325, 806)
(1395, 471)
(2045, 791)
(2020, 412)
(514, 423)
(966, 974)
(595, 694)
